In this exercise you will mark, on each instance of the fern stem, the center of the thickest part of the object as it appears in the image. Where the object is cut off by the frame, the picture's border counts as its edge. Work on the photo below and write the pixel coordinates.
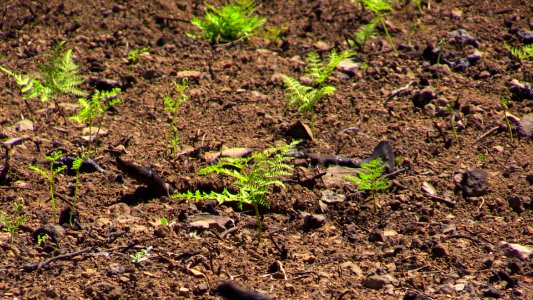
(382, 20)
(259, 223)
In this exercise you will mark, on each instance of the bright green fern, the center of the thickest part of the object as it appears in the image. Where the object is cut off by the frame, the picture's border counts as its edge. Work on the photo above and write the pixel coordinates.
(305, 97)
(229, 23)
(253, 177)
(95, 108)
(362, 35)
(58, 75)
(524, 53)
(370, 179)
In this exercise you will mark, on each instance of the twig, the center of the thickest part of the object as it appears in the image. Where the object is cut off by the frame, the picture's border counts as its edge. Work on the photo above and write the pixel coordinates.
(398, 92)
(42, 264)
(228, 231)
(443, 200)
(392, 174)
(492, 130)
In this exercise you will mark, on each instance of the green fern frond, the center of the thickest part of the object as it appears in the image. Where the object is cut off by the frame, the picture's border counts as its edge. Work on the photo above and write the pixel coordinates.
(364, 33)
(377, 6)
(318, 71)
(96, 106)
(230, 23)
(314, 65)
(526, 52)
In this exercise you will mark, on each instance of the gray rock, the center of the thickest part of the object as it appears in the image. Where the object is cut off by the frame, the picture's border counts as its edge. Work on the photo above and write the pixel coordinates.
(206, 221)
(474, 183)
(330, 197)
(377, 282)
(525, 126)
(525, 35)
(348, 66)
(517, 250)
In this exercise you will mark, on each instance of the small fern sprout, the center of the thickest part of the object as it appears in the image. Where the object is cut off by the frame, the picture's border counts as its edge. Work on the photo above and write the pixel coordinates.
(95, 108)
(380, 8)
(318, 71)
(57, 76)
(254, 175)
(364, 33)
(523, 53)
(232, 22)
(370, 178)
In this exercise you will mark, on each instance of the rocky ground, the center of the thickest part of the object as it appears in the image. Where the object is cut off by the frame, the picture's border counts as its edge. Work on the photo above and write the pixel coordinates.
(455, 223)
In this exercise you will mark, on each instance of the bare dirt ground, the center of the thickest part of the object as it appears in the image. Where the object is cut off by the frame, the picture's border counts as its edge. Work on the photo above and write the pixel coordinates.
(433, 236)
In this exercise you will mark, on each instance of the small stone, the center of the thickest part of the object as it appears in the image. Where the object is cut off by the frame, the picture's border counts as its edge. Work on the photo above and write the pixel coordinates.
(313, 221)
(377, 282)
(330, 197)
(474, 183)
(483, 75)
(474, 57)
(277, 78)
(194, 75)
(290, 288)
(529, 178)
(517, 203)
(457, 13)
(236, 152)
(207, 221)
(322, 46)
(23, 125)
(459, 287)
(376, 236)
(525, 35)
(104, 291)
(201, 289)
(423, 97)
(439, 250)
(348, 66)
(300, 130)
(497, 149)
(352, 268)
(152, 74)
(525, 127)
(517, 250)
(491, 292)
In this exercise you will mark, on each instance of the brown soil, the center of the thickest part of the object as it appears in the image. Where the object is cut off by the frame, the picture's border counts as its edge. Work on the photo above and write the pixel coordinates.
(416, 246)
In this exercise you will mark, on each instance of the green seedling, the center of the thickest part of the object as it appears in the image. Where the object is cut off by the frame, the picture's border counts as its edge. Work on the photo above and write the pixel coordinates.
(95, 108)
(370, 178)
(304, 97)
(11, 223)
(504, 101)
(254, 175)
(419, 5)
(440, 45)
(41, 238)
(50, 175)
(362, 35)
(58, 75)
(273, 34)
(164, 221)
(133, 55)
(76, 165)
(232, 22)
(450, 108)
(481, 157)
(141, 255)
(380, 8)
(522, 53)
(172, 105)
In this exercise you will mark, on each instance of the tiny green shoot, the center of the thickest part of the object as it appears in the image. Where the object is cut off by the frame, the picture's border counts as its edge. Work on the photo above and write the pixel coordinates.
(504, 102)
(95, 108)
(133, 55)
(364, 33)
(41, 238)
(76, 165)
(172, 105)
(304, 97)
(141, 255)
(380, 8)
(50, 175)
(58, 75)
(370, 178)
(232, 22)
(522, 53)
(164, 221)
(253, 177)
(11, 223)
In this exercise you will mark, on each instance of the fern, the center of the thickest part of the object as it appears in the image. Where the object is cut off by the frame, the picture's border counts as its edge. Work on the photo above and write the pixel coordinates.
(230, 23)
(526, 52)
(58, 76)
(380, 8)
(363, 34)
(318, 71)
(370, 178)
(254, 175)
(94, 108)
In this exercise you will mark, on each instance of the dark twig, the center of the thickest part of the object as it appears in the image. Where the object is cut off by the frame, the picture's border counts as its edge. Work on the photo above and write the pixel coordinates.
(462, 236)
(443, 200)
(44, 263)
(492, 130)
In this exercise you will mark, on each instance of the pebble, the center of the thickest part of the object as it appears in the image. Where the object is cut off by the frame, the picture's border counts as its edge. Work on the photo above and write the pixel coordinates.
(313, 221)
(377, 282)
(330, 197)
(474, 183)
(517, 250)
(348, 66)
(525, 127)
(440, 250)
(423, 97)
(376, 236)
